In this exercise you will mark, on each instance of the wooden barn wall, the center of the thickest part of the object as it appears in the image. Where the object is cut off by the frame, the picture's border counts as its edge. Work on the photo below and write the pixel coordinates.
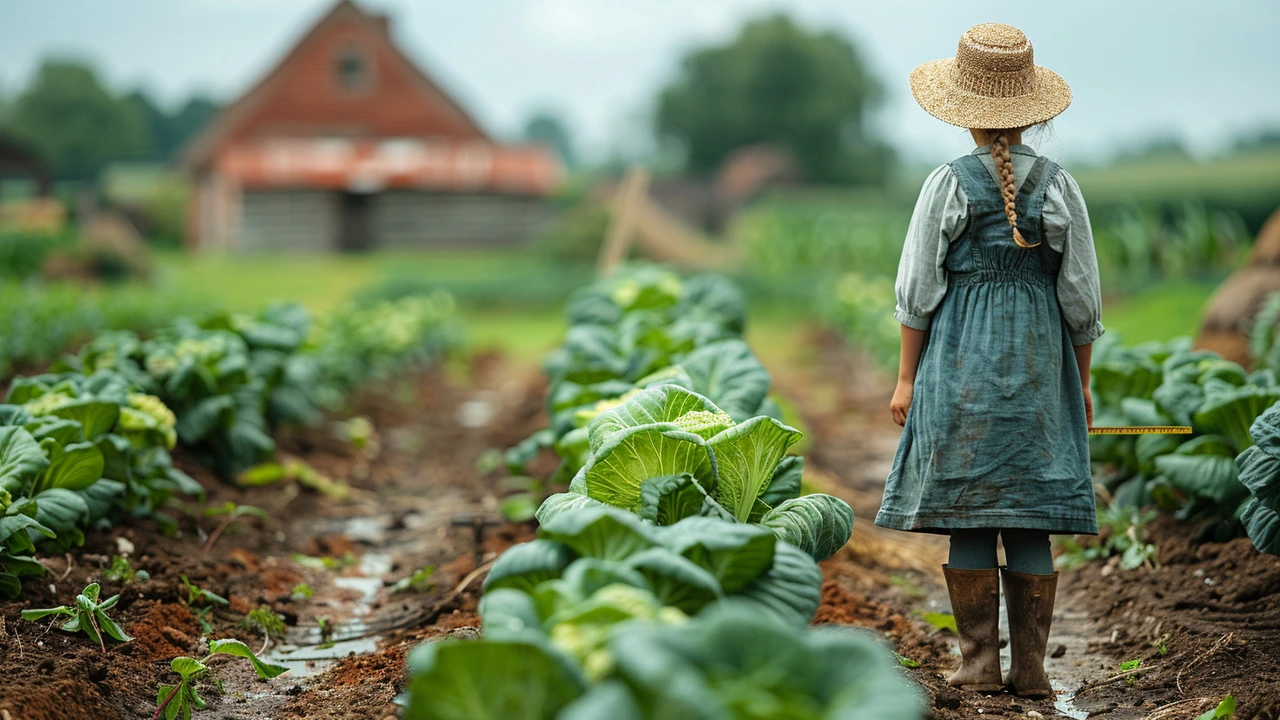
(310, 220)
(288, 221)
(405, 219)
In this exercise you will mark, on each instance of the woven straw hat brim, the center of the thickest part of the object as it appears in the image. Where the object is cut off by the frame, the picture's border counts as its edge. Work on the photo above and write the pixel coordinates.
(937, 93)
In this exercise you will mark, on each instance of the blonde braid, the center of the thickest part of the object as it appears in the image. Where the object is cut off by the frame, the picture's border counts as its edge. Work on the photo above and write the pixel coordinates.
(1008, 187)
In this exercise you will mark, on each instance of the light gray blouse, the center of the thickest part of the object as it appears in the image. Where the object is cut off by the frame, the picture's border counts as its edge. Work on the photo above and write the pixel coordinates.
(941, 214)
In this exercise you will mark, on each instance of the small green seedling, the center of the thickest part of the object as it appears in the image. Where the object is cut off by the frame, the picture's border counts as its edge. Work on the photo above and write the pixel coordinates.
(1224, 711)
(1161, 645)
(907, 662)
(202, 616)
(325, 626)
(419, 581)
(230, 513)
(489, 461)
(301, 591)
(358, 431)
(120, 571)
(267, 621)
(174, 701)
(201, 602)
(1130, 669)
(197, 594)
(88, 616)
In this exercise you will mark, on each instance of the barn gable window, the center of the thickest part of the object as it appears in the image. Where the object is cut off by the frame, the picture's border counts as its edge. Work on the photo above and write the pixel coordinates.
(353, 70)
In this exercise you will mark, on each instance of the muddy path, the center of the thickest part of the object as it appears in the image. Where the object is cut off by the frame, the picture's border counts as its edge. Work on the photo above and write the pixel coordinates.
(1205, 621)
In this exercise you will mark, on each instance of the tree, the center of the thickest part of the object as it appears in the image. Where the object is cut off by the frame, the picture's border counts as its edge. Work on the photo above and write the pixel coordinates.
(169, 132)
(808, 92)
(188, 121)
(70, 119)
(547, 129)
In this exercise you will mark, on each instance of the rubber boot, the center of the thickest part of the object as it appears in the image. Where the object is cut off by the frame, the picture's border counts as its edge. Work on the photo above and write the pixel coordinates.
(1029, 601)
(975, 602)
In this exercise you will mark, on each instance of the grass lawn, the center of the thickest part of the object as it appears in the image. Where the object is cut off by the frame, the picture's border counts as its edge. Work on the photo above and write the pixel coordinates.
(324, 280)
(527, 330)
(1159, 312)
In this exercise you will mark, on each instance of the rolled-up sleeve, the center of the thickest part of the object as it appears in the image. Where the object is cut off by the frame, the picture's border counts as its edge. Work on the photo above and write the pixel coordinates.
(940, 214)
(1066, 221)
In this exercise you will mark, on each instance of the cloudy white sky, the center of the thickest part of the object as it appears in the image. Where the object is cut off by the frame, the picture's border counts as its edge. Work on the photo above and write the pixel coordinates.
(1204, 71)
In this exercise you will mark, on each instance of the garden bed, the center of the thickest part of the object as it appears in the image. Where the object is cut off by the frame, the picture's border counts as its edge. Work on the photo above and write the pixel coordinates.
(401, 514)
(399, 518)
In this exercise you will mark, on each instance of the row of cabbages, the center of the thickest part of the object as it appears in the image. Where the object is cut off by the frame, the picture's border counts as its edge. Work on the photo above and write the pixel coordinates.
(89, 444)
(678, 575)
(1197, 476)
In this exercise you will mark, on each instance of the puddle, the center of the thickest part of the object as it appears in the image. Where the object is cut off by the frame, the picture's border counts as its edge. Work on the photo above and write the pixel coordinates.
(1065, 702)
(309, 652)
(370, 529)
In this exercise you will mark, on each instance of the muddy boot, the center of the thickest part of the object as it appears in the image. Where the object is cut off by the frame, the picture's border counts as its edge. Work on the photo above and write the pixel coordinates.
(1029, 601)
(975, 601)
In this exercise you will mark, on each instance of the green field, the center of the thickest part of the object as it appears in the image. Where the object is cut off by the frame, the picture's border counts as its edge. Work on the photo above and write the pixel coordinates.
(527, 324)
(1159, 312)
(321, 282)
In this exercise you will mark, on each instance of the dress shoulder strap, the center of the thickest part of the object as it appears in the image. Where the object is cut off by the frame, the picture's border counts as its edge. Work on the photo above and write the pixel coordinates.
(974, 178)
(1031, 196)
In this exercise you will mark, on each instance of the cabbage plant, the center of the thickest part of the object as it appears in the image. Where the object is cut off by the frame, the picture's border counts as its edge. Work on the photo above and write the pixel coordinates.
(668, 453)
(728, 663)
(687, 566)
(1200, 477)
(76, 451)
(1260, 473)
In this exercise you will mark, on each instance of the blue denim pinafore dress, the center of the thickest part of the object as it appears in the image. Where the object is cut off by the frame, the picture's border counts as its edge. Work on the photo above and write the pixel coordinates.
(996, 436)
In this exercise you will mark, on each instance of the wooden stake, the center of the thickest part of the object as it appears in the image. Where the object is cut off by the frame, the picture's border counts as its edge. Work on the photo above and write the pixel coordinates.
(617, 242)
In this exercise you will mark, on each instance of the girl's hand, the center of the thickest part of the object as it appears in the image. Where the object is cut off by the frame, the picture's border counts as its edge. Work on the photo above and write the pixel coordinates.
(902, 402)
(1088, 404)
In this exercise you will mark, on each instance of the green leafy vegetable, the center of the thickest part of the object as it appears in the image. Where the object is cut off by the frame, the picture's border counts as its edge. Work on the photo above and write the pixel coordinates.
(88, 616)
(178, 701)
(1225, 710)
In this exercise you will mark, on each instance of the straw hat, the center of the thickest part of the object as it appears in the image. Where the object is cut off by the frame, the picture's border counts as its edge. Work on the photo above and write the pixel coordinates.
(991, 83)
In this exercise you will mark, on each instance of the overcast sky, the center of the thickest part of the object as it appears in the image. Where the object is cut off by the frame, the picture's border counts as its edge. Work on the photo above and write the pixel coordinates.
(1204, 71)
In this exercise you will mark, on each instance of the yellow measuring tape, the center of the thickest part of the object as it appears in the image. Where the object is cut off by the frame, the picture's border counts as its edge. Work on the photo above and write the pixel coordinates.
(1142, 430)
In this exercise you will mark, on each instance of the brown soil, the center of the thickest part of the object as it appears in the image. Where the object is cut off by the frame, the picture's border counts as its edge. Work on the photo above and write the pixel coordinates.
(1205, 623)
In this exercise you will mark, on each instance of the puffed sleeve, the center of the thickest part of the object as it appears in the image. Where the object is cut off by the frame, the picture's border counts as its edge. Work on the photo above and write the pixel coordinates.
(940, 215)
(1066, 225)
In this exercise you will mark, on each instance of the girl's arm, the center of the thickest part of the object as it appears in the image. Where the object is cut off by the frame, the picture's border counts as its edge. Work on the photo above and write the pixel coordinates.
(939, 215)
(1084, 355)
(908, 361)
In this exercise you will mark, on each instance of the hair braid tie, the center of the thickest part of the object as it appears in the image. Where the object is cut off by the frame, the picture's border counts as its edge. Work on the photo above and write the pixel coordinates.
(1008, 185)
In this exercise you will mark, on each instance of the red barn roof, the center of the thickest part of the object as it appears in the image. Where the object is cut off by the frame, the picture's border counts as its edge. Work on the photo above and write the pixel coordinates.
(346, 108)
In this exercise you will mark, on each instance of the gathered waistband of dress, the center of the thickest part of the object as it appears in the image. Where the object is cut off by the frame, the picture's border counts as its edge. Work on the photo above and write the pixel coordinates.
(1001, 276)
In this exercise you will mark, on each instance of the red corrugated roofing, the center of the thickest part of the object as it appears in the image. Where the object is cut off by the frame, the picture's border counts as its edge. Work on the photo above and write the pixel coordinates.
(369, 165)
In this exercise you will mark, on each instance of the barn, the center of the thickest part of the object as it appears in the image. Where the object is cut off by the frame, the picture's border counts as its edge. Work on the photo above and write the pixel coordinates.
(347, 145)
